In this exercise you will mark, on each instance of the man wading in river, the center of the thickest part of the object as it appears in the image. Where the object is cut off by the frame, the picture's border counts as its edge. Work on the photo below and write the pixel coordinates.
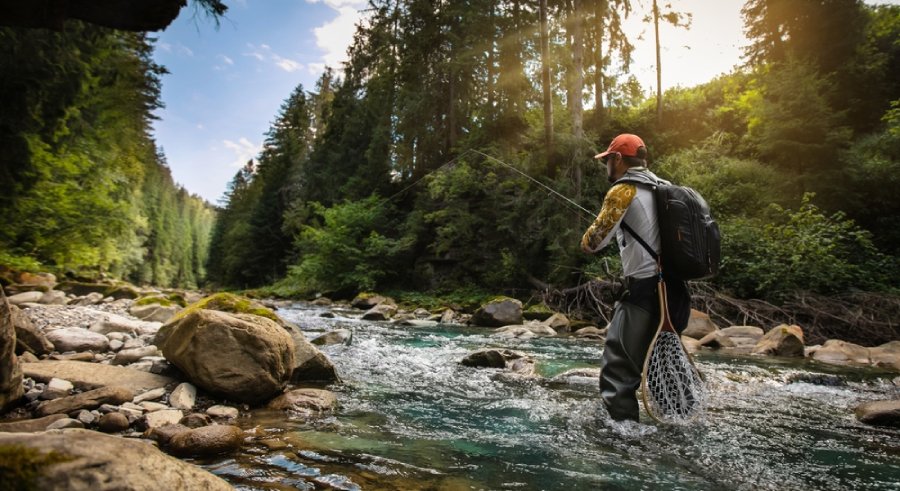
(631, 207)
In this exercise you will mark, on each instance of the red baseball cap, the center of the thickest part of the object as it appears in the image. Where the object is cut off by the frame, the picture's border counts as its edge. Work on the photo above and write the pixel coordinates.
(625, 144)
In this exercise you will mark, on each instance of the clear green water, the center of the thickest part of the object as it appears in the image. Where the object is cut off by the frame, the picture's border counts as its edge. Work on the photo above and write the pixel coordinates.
(411, 417)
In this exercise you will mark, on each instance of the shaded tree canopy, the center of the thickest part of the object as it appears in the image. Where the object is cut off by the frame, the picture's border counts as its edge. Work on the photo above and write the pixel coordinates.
(127, 15)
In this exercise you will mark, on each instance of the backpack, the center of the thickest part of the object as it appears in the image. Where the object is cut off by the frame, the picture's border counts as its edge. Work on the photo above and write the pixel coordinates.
(689, 236)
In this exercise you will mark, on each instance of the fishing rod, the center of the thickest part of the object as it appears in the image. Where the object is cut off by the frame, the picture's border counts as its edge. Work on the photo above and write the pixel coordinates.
(539, 183)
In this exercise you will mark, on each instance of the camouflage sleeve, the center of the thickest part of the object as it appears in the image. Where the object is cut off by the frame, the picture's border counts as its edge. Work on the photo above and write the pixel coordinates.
(604, 227)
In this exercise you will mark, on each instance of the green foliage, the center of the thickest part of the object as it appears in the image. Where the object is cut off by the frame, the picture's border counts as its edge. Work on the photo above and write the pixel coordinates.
(347, 251)
(464, 299)
(803, 250)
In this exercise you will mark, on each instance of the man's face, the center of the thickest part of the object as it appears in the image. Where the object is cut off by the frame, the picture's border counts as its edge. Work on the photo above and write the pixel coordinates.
(614, 167)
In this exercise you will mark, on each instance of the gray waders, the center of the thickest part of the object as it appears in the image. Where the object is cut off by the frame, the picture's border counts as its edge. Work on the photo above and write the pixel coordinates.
(634, 323)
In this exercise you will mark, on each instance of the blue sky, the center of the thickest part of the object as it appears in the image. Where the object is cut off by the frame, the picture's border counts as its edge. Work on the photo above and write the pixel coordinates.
(226, 84)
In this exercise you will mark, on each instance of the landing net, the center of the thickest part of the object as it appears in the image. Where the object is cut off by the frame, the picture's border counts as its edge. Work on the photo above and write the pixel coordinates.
(672, 389)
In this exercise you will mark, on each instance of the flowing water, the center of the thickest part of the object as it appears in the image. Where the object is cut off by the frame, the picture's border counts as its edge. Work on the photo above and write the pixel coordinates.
(411, 417)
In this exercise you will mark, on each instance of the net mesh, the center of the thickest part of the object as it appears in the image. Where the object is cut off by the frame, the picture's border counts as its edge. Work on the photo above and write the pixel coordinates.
(673, 390)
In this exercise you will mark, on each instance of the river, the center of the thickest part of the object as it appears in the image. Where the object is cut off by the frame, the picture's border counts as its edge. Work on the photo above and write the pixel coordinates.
(411, 417)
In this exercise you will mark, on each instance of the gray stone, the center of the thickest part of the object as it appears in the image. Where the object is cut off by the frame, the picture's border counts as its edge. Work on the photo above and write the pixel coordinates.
(162, 418)
(499, 313)
(380, 312)
(25, 297)
(94, 375)
(57, 388)
(77, 339)
(150, 407)
(53, 297)
(86, 400)
(223, 412)
(127, 356)
(492, 358)
(86, 417)
(591, 332)
(117, 323)
(65, 423)
(115, 345)
(338, 336)
(99, 461)
(183, 397)
(28, 337)
(150, 395)
(837, 352)
(207, 440)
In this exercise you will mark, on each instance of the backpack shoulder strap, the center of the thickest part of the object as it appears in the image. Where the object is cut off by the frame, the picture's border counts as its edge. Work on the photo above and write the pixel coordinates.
(643, 243)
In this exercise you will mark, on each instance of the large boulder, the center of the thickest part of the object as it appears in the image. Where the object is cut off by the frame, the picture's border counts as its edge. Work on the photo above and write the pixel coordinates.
(380, 312)
(26, 297)
(28, 337)
(837, 352)
(743, 336)
(310, 364)
(367, 300)
(243, 357)
(500, 312)
(70, 460)
(783, 340)
(11, 389)
(887, 355)
(228, 302)
(879, 413)
(699, 325)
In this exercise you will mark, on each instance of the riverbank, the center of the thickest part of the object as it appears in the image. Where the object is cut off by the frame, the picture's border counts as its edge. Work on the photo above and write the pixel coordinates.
(145, 395)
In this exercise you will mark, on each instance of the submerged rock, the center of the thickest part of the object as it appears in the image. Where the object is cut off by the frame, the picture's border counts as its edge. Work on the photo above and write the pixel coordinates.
(76, 459)
(310, 402)
(207, 440)
(880, 413)
(515, 361)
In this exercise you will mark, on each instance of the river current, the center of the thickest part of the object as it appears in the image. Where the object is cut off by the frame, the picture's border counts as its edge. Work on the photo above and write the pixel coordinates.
(412, 417)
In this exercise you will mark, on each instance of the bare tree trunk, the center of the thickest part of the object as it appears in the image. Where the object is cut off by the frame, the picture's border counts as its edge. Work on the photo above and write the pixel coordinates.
(578, 72)
(577, 88)
(598, 61)
(491, 75)
(658, 65)
(545, 77)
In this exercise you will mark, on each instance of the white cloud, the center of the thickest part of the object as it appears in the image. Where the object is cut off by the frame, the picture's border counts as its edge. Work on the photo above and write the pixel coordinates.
(264, 52)
(227, 60)
(243, 149)
(336, 35)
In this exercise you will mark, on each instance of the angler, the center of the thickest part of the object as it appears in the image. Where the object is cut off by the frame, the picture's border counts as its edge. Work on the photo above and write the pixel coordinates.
(630, 216)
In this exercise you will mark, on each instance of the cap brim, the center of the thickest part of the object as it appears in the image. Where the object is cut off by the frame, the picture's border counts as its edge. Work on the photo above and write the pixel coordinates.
(601, 155)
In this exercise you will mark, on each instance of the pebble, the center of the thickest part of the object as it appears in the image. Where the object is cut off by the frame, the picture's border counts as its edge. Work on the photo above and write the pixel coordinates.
(86, 417)
(150, 395)
(223, 412)
(183, 397)
(115, 345)
(153, 406)
(163, 417)
(65, 423)
(113, 423)
(57, 388)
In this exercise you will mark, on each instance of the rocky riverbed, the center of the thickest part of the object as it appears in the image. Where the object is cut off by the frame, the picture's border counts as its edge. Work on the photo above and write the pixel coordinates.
(174, 381)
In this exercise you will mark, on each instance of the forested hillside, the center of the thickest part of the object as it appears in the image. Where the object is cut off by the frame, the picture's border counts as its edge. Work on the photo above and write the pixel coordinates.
(85, 189)
(399, 172)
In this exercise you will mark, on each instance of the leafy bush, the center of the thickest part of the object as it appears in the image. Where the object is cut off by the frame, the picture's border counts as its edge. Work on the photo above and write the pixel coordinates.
(802, 250)
(345, 251)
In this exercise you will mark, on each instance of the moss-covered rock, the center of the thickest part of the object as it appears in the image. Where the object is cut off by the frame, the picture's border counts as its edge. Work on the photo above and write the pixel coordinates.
(20, 465)
(537, 312)
(165, 300)
(115, 290)
(229, 302)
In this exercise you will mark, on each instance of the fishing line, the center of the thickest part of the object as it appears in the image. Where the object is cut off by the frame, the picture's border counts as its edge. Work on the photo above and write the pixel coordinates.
(539, 183)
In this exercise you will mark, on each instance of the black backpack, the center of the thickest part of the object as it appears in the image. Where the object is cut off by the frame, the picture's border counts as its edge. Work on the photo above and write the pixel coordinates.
(689, 236)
